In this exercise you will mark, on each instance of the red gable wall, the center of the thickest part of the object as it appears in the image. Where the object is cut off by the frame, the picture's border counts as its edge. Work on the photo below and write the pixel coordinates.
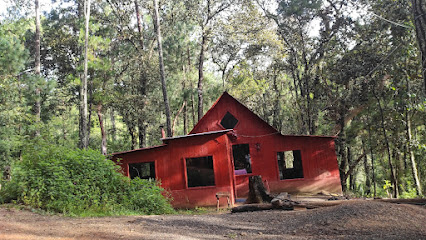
(248, 122)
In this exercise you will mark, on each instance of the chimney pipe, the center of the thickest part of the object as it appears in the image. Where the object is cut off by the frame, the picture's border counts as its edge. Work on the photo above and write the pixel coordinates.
(163, 133)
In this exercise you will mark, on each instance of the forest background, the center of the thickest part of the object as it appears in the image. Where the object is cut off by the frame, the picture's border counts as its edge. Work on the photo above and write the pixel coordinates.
(106, 74)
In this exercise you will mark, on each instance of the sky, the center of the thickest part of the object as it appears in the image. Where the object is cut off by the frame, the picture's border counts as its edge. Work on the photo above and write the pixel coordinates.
(45, 5)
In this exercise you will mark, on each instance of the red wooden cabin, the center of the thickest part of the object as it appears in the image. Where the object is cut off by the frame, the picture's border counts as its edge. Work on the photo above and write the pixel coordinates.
(229, 144)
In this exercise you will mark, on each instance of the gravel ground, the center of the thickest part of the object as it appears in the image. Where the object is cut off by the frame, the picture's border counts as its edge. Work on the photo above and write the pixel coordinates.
(351, 220)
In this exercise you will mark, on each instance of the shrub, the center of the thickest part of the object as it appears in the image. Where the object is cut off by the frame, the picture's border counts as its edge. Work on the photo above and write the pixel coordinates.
(81, 182)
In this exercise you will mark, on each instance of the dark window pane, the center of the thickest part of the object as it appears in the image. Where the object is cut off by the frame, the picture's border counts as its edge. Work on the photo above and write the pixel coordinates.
(200, 171)
(144, 170)
(242, 160)
(290, 164)
(228, 121)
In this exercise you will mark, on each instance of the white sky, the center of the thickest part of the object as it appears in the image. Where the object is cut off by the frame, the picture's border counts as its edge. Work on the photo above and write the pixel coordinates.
(45, 5)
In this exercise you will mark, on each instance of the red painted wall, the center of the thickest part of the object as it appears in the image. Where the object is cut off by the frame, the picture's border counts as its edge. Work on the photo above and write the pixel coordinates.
(170, 167)
(318, 152)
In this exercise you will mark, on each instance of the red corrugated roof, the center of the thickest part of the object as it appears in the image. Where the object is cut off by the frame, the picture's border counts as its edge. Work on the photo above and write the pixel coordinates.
(140, 149)
(196, 134)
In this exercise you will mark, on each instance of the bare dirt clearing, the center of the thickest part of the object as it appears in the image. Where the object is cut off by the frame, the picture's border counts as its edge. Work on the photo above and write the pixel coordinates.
(351, 220)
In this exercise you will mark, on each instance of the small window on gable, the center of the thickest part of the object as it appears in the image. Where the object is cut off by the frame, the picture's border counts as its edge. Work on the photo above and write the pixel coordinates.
(290, 164)
(200, 171)
(228, 121)
(143, 170)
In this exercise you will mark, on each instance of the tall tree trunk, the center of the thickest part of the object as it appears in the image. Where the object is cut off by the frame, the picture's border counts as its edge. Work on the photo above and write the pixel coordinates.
(276, 116)
(412, 157)
(37, 67)
(139, 21)
(131, 129)
(343, 163)
(142, 80)
(342, 152)
(103, 133)
(201, 74)
(194, 121)
(162, 75)
(395, 157)
(371, 154)
(185, 112)
(89, 111)
(113, 127)
(419, 15)
(177, 117)
(142, 133)
(367, 172)
(352, 173)
(84, 141)
(392, 170)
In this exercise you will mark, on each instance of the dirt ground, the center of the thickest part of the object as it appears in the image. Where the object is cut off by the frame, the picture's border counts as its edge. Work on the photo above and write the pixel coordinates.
(351, 220)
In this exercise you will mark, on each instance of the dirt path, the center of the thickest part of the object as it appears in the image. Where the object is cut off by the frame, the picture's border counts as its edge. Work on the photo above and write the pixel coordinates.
(352, 220)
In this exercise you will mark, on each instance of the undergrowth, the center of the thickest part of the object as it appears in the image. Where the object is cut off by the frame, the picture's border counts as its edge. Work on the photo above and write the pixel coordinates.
(80, 183)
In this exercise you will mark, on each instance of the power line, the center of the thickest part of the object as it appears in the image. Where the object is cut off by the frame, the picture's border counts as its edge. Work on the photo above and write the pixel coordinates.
(384, 19)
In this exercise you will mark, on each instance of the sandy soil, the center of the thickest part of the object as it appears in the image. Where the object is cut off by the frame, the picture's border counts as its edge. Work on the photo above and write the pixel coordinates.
(351, 220)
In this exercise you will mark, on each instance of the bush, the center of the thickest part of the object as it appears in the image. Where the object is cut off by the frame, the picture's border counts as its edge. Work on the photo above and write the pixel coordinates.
(80, 182)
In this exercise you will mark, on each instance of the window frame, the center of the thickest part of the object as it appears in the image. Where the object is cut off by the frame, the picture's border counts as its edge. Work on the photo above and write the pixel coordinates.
(186, 173)
(150, 162)
(295, 171)
(233, 160)
(220, 120)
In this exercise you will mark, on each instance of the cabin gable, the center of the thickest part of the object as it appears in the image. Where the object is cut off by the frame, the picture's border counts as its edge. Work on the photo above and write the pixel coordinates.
(229, 113)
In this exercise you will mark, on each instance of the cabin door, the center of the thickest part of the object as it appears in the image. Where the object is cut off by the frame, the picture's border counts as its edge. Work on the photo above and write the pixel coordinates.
(242, 168)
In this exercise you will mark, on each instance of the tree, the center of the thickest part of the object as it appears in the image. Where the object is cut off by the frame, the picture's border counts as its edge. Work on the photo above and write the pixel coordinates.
(162, 77)
(206, 13)
(419, 16)
(84, 141)
(37, 67)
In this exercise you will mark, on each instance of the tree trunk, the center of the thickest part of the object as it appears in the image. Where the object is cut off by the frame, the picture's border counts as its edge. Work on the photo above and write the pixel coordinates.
(163, 80)
(89, 111)
(113, 127)
(176, 118)
(103, 133)
(393, 178)
(257, 191)
(350, 174)
(276, 116)
(131, 129)
(141, 133)
(419, 15)
(140, 27)
(185, 112)
(185, 117)
(342, 152)
(367, 172)
(37, 67)
(412, 158)
(84, 141)
(194, 121)
(371, 155)
(201, 75)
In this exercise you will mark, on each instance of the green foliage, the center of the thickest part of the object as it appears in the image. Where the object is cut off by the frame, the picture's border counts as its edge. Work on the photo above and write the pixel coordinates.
(80, 182)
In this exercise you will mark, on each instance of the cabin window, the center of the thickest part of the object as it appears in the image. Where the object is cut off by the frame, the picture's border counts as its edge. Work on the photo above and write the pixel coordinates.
(228, 121)
(290, 164)
(242, 160)
(200, 171)
(143, 170)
